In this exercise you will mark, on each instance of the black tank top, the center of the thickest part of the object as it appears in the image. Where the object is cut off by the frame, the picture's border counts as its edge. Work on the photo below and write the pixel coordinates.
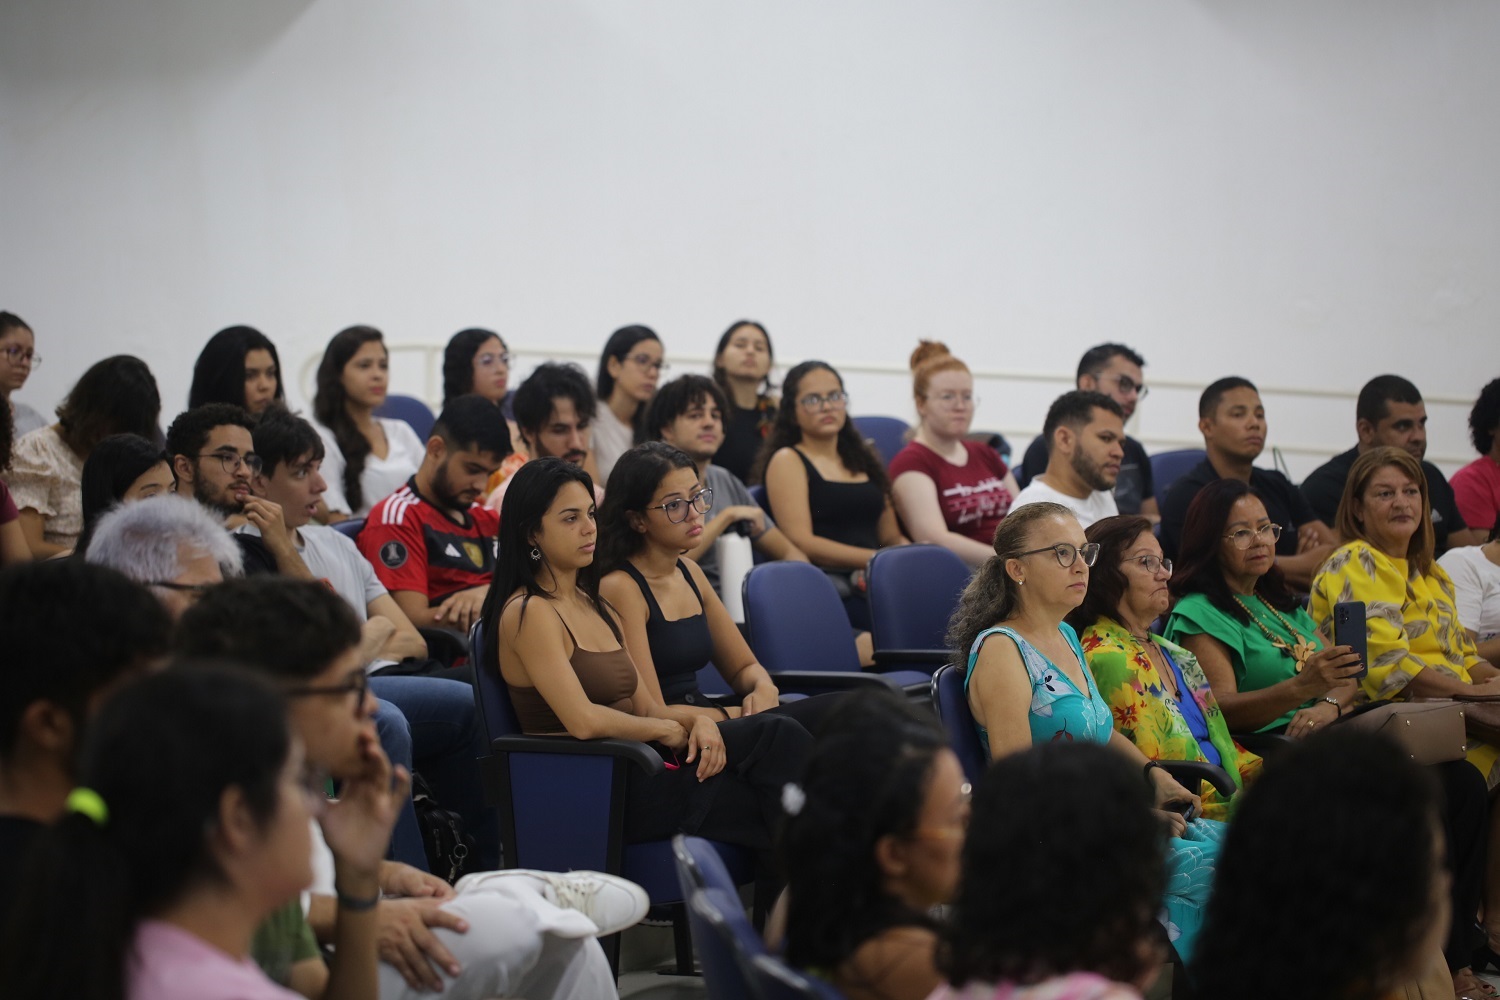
(679, 648)
(844, 512)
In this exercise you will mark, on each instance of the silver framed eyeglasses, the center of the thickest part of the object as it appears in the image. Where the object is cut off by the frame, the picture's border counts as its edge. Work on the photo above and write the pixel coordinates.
(812, 402)
(1153, 563)
(677, 510)
(1243, 537)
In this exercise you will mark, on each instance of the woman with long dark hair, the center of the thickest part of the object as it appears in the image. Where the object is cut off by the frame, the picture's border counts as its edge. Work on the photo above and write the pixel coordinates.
(560, 650)
(366, 458)
(18, 359)
(742, 369)
(238, 365)
(115, 396)
(13, 547)
(629, 368)
(477, 362)
(871, 847)
(123, 468)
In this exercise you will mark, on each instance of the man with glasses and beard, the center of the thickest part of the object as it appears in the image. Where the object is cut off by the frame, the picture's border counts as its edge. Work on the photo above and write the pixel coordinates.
(1085, 432)
(432, 542)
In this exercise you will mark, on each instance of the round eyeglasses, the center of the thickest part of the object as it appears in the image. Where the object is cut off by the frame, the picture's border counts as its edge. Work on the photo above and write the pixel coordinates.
(1067, 553)
(677, 510)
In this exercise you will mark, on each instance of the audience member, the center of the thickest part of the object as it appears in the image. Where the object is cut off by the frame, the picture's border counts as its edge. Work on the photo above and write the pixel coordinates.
(189, 829)
(495, 933)
(13, 547)
(1115, 371)
(687, 413)
(826, 486)
(555, 410)
(172, 545)
(948, 490)
(368, 457)
(1037, 687)
(1062, 873)
(115, 396)
(1233, 424)
(672, 620)
(1160, 698)
(742, 370)
(123, 468)
(1286, 923)
(871, 847)
(426, 721)
(629, 369)
(1390, 413)
(18, 359)
(568, 672)
(476, 361)
(1476, 487)
(432, 542)
(1475, 571)
(73, 633)
(1085, 431)
(239, 365)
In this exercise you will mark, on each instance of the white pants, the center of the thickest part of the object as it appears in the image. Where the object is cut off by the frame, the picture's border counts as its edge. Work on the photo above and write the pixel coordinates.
(518, 945)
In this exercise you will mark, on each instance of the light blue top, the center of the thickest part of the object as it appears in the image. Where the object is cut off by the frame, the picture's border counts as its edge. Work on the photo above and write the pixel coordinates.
(1059, 710)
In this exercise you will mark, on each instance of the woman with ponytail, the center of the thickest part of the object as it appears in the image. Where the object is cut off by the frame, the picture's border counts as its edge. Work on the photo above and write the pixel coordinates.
(948, 490)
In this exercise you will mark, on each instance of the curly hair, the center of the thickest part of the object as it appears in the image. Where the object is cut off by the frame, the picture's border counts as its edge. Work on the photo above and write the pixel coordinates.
(330, 411)
(1064, 867)
(1419, 551)
(993, 596)
(1484, 418)
(115, 396)
(1107, 581)
(866, 779)
(854, 453)
(631, 483)
(1199, 570)
(1285, 923)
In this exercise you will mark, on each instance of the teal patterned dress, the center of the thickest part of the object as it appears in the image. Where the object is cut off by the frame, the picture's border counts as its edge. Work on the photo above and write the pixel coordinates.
(1060, 711)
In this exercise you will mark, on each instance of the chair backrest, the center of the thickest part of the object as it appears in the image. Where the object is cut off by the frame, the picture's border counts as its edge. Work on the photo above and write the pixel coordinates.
(350, 526)
(913, 591)
(796, 620)
(1169, 466)
(952, 707)
(496, 715)
(410, 409)
(725, 941)
(887, 434)
(995, 440)
(758, 494)
(773, 979)
(699, 865)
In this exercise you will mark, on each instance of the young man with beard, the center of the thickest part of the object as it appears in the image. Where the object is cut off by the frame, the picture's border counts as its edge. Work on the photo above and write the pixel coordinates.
(1086, 431)
(432, 542)
(555, 410)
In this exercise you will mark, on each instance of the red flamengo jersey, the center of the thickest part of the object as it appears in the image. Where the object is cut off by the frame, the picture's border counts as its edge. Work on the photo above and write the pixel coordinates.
(413, 545)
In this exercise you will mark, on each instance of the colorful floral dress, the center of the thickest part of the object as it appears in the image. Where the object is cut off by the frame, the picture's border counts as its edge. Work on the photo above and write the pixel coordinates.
(1411, 623)
(1162, 727)
(1060, 711)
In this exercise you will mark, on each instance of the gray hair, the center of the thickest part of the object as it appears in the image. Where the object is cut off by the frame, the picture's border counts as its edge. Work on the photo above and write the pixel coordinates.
(145, 540)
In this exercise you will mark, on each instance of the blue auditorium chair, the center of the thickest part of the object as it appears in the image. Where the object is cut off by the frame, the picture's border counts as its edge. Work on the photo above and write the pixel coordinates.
(886, 434)
(410, 409)
(913, 591)
(1169, 466)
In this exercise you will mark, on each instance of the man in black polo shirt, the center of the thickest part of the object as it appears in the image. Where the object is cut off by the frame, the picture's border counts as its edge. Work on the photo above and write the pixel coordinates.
(1390, 412)
(1233, 423)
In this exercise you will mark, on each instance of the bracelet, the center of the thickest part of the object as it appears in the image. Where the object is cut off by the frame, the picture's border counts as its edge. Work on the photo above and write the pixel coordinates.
(1335, 703)
(355, 905)
(1146, 771)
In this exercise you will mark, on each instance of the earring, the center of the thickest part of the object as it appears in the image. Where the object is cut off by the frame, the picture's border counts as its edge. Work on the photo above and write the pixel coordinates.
(1021, 582)
(536, 554)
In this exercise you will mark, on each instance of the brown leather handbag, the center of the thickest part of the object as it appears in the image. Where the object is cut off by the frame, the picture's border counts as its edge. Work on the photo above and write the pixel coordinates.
(1430, 731)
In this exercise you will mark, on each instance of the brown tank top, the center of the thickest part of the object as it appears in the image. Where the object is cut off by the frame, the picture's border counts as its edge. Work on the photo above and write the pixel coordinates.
(607, 678)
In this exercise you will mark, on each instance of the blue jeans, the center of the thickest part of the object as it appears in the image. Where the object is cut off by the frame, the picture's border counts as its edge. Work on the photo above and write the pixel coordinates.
(429, 723)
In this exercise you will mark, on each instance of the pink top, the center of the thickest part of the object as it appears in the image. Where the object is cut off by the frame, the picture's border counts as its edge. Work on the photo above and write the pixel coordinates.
(1476, 488)
(973, 497)
(1074, 986)
(8, 512)
(168, 963)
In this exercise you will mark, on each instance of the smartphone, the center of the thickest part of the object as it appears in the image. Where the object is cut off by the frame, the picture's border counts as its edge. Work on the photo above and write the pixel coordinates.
(1349, 630)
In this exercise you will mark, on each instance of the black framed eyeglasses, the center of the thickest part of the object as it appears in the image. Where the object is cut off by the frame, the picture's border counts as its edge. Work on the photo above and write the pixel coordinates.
(231, 461)
(356, 685)
(1067, 553)
(677, 510)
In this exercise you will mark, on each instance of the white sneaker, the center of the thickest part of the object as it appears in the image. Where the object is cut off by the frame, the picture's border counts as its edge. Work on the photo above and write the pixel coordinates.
(611, 902)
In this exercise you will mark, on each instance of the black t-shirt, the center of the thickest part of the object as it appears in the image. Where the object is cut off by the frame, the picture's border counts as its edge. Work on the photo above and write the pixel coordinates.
(1284, 504)
(1324, 488)
(743, 436)
(1133, 487)
(16, 835)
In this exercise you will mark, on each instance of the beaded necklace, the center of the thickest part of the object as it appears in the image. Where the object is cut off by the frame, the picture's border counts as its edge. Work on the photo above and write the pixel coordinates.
(1300, 652)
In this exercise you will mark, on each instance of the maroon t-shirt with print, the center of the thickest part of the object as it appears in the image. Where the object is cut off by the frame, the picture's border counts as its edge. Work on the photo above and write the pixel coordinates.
(973, 497)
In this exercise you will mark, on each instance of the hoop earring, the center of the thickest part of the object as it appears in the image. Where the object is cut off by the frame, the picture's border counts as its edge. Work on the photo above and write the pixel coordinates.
(536, 554)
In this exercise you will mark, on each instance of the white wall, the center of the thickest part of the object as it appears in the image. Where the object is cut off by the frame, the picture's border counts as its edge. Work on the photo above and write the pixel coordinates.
(1300, 193)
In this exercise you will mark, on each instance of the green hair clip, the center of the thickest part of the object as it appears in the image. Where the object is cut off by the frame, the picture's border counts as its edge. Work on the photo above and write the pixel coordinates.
(88, 802)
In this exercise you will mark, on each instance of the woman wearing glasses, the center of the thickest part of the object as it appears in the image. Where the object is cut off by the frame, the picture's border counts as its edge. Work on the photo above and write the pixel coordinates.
(1160, 698)
(828, 489)
(1036, 687)
(673, 621)
(18, 359)
(949, 491)
(476, 361)
(628, 372)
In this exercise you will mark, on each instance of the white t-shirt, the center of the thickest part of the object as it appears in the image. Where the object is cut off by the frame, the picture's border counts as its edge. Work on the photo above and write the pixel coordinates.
(382, 476)
(611, 439)
(1096, 506)
(1476, 589)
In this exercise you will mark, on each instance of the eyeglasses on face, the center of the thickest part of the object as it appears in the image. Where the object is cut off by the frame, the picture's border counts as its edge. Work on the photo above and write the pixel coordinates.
(489, 359)
(1067, 553)
(1153, 563)
(677, 510)
(812, 402)
(647, 363)
(356, 685)
(1126, 384)
(18, 355)
(1243, 538)
(231, 461)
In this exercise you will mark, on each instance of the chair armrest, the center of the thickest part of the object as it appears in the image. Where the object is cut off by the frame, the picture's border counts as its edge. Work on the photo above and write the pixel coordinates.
(445, 645)
(1190, 772)
(897, 657)
(1264, 745)
(823, 681)
(630, 751)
